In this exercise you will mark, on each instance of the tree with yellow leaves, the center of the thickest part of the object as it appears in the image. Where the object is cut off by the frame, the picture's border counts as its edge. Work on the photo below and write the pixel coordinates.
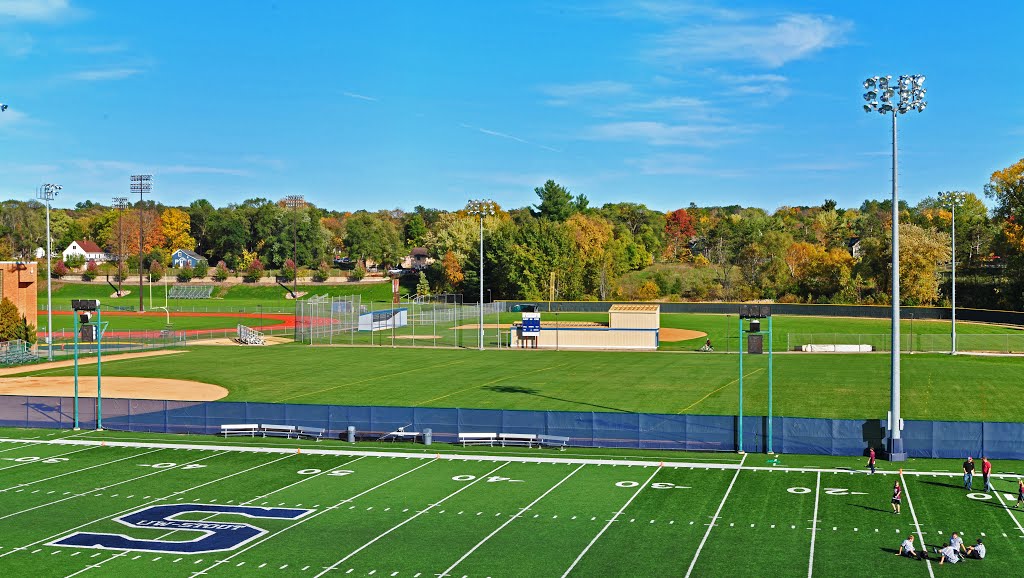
(177, 229)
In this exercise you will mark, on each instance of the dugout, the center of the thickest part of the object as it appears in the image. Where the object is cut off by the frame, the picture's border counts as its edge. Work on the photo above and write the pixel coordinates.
(630, 327)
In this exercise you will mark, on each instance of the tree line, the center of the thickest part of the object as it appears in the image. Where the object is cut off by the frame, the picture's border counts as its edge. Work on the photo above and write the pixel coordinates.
(565, 248)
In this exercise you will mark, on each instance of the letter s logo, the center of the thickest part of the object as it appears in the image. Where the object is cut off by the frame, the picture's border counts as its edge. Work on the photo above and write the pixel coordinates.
(217, 536)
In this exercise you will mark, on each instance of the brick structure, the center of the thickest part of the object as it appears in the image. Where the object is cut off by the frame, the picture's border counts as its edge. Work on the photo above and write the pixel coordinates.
(18, 283)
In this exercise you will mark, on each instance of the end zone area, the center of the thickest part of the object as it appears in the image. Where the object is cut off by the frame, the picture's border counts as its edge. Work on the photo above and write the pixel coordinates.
(81, 506)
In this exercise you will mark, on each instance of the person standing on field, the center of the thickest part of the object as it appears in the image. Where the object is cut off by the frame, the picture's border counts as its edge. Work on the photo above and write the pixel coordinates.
(1020, 493)
(986, 471)
(969, 473)
(897, 497)
(871, 459)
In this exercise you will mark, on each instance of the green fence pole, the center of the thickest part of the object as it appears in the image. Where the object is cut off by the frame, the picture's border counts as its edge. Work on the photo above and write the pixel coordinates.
(770, 352)
(74, 315)
(99, 370)
(739, 440)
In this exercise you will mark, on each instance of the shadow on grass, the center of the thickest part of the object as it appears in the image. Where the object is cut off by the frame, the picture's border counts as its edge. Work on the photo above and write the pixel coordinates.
(872, 509)
(534, 392)
(941, 485)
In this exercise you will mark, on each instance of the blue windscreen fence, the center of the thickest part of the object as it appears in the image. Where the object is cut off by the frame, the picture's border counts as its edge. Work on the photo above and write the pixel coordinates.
(837, 437)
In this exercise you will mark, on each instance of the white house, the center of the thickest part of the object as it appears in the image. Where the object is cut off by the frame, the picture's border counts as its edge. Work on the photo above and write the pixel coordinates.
(88, 249)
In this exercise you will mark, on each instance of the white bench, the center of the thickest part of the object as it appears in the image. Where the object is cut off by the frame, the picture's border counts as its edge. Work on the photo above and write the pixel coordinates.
(553, 441)
(311, 432)
(269, 429)
(240, 429)
(477, 439)
(511, 439)
(401, 435)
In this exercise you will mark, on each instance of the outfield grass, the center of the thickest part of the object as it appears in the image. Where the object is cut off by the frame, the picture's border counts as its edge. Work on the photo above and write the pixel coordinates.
(423, 516)
(935, 386)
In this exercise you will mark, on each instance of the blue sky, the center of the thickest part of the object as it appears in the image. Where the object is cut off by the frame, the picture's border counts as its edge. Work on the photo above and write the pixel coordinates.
(394, 104)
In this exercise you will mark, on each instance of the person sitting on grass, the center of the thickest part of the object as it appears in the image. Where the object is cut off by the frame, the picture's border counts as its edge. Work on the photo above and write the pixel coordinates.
(907, 549)
(957, 543)
(977, 551)
(948, 554)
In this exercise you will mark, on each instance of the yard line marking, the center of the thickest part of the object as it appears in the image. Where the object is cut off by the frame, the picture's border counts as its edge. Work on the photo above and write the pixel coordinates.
(409, 519)
(492, 382)
(609, 523)
(814, 525)
(309, 517)
(211, 516)
(389, 374)
(133, 508)
(81, 494)
(512, 519)
(18, 447)
(19, 464)
(1010, 512)
(715, 517)
(913, 514)
(717, 390)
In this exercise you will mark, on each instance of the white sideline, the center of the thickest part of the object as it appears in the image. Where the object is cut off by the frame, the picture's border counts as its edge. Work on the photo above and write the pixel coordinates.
(143, 505)
(1010, 512)
(481, 458)
(409, 519)
(715, 517)
(306, 518)
(608, 525)
(509, 521)
(814, 525)
(211, 516)
(920, 536)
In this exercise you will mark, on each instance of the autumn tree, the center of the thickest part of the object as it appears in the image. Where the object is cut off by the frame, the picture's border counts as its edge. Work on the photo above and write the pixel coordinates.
(453, 275)
(177, 229)
(679, 230)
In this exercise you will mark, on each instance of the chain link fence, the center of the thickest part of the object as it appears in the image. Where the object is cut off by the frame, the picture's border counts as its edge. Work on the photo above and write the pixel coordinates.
(917, 342)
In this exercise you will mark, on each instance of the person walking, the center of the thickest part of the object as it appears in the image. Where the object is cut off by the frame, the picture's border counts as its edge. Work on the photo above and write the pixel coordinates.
(986, 471)
(871, 459)
(1020, 493)
(897, 497)
(969, 473)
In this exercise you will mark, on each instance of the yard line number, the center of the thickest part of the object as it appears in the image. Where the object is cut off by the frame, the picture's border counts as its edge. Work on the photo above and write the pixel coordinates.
(826, 491)
(491, 479)
(26, 459)
(654, 486)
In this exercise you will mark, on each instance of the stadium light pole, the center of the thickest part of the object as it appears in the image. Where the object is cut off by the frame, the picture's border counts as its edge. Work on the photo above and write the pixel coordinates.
(951, 200)
(141, 185)
(47, 193)
(294, 202)
(481, 208)
(907, 95)
(120, 203)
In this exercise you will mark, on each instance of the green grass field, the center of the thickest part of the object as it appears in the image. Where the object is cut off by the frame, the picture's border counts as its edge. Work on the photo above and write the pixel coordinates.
(62, 321)
(805, 385)
(360, 512)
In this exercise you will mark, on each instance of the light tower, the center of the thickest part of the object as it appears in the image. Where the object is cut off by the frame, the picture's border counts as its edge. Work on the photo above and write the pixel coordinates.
(482, 208)
(953, 199)
(141, 185)
(47, 193)
(881, 97)
(120, 203)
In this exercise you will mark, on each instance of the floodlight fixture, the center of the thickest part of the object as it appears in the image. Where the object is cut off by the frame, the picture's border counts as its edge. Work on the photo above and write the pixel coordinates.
(907, 95)
(47, 193)
(482, 208)
(3, 107)
(141, 185)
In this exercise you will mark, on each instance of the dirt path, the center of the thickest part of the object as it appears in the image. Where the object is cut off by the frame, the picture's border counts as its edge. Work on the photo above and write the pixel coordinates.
(82, 361)
(114, 387)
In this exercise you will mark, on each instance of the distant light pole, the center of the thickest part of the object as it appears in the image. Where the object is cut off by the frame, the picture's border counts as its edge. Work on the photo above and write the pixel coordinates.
(141, 185)
(951, 200)
(295, 202)
(881, 98)
(3, 107)
(120, 203)
(47, 193)
(481, 208)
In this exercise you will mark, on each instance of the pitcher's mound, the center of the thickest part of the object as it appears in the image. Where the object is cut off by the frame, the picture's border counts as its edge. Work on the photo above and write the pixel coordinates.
(120, 387)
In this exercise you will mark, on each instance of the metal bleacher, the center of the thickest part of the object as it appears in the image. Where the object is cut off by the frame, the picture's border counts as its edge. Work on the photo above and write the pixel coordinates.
(16, 352)
(249, 336)
(190, 292)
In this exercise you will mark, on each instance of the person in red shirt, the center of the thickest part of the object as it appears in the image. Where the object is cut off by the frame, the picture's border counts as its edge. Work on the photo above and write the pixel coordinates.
(871, 459)
(986, 470)
(897, 497)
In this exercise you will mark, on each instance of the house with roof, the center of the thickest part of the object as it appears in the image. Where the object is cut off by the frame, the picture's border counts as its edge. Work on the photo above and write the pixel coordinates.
(183, 257)
(853, 245)
(86, 249)
(417, 260)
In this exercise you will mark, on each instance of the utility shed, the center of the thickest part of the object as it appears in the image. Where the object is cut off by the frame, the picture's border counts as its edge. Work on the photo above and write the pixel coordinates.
(634, 316)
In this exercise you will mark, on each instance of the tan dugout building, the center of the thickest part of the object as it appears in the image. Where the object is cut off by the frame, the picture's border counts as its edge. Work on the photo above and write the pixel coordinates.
(630, 327)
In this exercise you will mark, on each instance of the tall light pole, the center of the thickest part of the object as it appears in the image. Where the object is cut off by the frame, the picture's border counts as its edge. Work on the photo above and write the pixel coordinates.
(482, 208)
(47, 193)
(141, 185)
(120, 203)
(295, 202)
(907, 95)
(952, 199)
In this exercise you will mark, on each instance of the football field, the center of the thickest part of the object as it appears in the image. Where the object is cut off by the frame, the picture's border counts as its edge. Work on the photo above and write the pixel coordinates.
(117, 508)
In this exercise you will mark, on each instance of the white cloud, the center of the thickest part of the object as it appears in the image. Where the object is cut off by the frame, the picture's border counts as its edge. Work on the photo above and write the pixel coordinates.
(508, 136)
(102, 48)
(792, 37)
(102, 74)
(565, 94)
(106, 166)
(658, 133)
(11, 117)
(765, 85)
(36, 10)
(359, 96)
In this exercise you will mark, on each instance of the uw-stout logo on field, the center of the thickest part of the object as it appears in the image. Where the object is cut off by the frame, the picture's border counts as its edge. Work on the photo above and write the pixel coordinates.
(215, 536)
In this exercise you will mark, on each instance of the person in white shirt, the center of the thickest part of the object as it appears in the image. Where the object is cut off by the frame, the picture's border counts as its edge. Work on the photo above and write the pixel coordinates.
(949, 554)
(977, 551)
(907, 549)
(957, 543)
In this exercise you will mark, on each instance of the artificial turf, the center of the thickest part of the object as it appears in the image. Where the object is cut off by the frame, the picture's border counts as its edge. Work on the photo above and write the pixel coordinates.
(429, 515)
(854, 386)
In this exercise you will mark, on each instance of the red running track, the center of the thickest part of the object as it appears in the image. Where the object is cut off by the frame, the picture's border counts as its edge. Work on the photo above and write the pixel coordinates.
(287, 321)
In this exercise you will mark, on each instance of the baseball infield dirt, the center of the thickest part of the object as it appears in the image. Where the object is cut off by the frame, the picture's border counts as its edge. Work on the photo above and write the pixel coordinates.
(120, 387)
